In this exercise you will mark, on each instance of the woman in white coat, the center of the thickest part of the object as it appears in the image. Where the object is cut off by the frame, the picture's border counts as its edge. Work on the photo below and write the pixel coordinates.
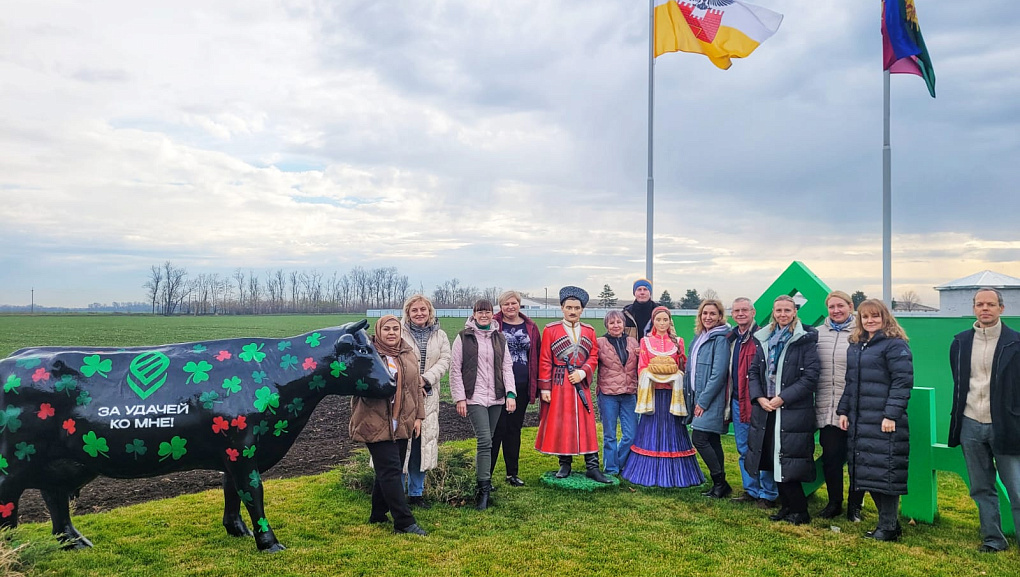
(421, 330)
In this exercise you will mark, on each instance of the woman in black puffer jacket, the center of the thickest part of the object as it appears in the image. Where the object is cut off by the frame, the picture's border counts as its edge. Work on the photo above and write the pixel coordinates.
(782, 382)
(873, 411)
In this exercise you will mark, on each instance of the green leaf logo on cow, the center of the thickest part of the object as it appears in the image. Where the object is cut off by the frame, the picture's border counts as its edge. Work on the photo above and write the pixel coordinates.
(199, 371)
(175, 448)
(94, 445)
(12, 384)
(24, 451)
(136, 447)
(232, 384)
(10, 419)
(94, 366)
(252, 352)
(265, 398)
(66, 384)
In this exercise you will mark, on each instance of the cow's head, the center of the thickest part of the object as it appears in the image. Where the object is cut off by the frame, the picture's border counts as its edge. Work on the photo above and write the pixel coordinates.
(366, 373)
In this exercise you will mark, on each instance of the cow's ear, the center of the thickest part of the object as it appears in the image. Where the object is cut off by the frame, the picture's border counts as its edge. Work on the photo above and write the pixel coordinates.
(347, 340)
(355, 327)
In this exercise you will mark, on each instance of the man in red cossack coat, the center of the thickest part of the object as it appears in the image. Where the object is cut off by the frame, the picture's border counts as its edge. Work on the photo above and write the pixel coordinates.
(566, 366)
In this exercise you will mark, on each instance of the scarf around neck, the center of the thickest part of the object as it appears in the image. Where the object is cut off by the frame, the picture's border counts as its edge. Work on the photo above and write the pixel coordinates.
(421, 336)
(620, 345)
(696, 347)
(395, 351)
(843, 325)
(642, 313)
(777, 342)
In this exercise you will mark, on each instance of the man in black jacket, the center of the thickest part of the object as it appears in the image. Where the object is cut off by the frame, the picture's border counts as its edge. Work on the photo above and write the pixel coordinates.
(985, 361)
(638, 315)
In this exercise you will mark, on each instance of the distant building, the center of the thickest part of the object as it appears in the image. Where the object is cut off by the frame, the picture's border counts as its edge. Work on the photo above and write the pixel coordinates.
(912, 308)
(956, 298)
(531, 304)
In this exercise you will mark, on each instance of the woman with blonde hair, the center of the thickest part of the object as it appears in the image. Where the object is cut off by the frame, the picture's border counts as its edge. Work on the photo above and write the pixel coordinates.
(705, 386)
(421, 330)
(385, 425)
(873, 412)
(523, 340)
(662, 454)
(833, 344)
(782, 382)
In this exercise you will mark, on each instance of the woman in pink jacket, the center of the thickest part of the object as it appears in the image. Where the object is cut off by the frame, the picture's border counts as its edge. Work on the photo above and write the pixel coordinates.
(481, 382)
(617, 391)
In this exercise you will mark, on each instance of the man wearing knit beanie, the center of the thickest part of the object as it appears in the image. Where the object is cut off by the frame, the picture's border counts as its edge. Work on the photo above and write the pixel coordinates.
(985, 361)
(638, 315)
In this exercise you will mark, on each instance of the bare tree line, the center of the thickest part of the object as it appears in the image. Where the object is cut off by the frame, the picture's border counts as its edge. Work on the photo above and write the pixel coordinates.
(171, 291)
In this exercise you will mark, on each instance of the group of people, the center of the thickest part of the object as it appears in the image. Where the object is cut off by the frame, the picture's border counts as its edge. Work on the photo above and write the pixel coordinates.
(777, 384)
(849, 381)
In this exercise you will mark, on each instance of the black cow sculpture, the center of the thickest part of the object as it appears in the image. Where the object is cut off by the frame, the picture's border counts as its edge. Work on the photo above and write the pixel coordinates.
(68, 415)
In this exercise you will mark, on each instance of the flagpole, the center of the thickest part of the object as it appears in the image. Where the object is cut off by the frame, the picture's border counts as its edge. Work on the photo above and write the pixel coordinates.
(651, 108)
(886, 200)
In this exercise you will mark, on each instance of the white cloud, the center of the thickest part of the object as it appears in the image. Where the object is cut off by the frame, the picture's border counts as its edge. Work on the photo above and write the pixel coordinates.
(501, 143)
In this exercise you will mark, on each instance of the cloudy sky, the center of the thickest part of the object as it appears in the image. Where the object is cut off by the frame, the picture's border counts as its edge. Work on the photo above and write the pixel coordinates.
(502, 143)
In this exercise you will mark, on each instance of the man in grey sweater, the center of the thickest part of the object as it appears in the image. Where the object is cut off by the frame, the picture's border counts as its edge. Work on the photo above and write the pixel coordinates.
(986, 412)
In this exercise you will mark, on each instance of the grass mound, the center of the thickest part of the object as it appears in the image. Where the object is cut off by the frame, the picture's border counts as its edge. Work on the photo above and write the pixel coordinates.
(576, 482)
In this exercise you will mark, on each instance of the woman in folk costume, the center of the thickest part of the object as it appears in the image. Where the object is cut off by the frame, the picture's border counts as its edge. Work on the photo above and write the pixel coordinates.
(422, 332)
(567, 364)
(662, 454)
(782, 383)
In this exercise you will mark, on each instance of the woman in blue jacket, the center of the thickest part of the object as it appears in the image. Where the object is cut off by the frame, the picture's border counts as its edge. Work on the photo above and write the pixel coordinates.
(705, 386)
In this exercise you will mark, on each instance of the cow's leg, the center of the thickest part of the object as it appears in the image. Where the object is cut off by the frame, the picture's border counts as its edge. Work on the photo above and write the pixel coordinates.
(59, 504)
(248, 485)
(232, 520)
(10, 494)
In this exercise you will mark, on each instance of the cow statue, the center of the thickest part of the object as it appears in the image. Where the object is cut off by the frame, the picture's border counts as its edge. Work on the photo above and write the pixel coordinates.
(69, 414)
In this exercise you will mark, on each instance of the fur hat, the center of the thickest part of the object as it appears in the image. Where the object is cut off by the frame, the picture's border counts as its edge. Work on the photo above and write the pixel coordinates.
(573, 292)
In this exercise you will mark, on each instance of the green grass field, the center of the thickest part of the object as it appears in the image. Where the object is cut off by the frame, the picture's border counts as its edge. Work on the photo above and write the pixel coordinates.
(533, 531)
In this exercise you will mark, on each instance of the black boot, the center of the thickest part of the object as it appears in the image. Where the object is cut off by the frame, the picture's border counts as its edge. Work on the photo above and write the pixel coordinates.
(853, 506)
(833, 509)
(780, 514)
(484, 500)
(564, 471)
(591, 464)
(720, 488)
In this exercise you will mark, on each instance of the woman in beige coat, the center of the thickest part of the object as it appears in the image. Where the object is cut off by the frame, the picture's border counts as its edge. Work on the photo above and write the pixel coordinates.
(385, 425)
(421, 330)
(832, 348)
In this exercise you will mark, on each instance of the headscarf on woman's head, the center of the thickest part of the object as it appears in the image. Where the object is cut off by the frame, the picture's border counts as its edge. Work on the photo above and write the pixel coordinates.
(383, 348)
(406, 366)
